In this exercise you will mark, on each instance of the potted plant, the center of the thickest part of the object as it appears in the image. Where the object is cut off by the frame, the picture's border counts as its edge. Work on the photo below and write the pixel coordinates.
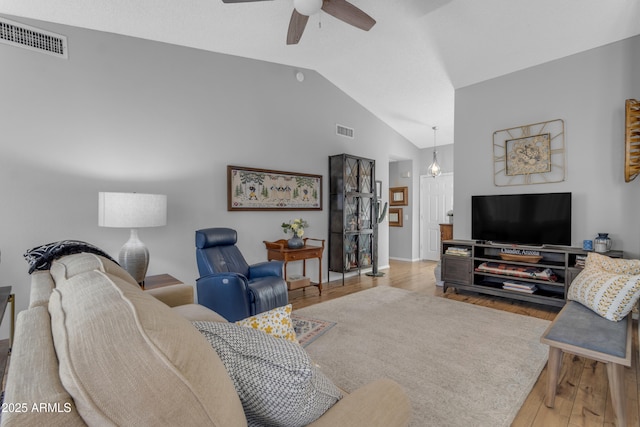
(296, 227)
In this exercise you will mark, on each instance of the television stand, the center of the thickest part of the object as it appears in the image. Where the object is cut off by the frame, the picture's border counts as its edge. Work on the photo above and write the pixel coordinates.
(560, 247)
(515, 245)
(478, 267)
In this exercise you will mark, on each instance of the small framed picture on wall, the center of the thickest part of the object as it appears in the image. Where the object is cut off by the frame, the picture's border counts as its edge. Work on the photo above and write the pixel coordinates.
(395, 217)
(398, 196)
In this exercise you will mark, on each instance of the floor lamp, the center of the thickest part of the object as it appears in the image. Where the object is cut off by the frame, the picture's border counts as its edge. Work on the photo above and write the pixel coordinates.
(133, 211)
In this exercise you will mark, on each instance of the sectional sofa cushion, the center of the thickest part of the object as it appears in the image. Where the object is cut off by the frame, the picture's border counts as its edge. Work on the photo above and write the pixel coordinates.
(128, 359)
(173, 295)
(609, 287)
(41, 286)
(198, 312)
(71, 265)
(43, 282)
(275, 379)
(36, 379)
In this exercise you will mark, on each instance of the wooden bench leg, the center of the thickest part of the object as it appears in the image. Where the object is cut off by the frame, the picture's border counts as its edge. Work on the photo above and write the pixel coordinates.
(553, 372)
(615, 374)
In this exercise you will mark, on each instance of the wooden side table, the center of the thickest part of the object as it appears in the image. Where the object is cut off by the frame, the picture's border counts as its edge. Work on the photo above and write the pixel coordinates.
(279, 251)
(159, 280)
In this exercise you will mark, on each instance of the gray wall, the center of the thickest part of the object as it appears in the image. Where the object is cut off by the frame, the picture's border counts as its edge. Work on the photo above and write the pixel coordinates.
(588, 91)
(126, 114)
(401, 238)
(404, 242)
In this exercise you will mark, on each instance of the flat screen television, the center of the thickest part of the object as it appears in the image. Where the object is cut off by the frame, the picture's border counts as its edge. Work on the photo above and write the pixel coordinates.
(526, 219)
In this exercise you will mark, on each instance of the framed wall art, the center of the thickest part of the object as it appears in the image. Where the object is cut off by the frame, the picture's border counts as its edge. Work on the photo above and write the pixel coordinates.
(250, 189)
(530, 154)
(395, 217)
(398, 196)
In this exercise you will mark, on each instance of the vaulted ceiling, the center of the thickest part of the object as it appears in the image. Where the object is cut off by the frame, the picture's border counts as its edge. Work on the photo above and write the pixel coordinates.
(404, 70)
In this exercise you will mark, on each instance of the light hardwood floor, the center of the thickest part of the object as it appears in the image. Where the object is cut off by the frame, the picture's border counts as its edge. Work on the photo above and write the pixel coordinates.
(583, 396)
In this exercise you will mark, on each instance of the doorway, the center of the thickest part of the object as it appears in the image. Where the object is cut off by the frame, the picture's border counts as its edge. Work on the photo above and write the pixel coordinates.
(436, 198)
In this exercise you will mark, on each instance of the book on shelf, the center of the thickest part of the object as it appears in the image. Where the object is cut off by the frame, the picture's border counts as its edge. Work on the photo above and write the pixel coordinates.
(580, 260)
(525, 287)
(524, 291)
(452, 250)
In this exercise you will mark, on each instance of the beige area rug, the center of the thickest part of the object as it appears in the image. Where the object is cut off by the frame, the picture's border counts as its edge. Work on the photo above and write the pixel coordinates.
(461, 364)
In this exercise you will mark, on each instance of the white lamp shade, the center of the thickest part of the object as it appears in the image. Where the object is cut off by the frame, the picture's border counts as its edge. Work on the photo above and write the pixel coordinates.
(132, 210)
(307, 7)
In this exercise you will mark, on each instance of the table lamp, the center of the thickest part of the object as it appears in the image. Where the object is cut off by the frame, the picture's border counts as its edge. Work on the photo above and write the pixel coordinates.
(132, 210)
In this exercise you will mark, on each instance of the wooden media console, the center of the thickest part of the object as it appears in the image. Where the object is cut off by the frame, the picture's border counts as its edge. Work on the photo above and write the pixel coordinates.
(540, 275)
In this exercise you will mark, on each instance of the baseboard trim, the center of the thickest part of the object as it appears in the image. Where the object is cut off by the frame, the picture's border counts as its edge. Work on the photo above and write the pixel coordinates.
(405, 259)
(334, 275)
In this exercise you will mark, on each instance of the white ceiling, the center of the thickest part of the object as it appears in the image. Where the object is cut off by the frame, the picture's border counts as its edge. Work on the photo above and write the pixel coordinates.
(404, 70)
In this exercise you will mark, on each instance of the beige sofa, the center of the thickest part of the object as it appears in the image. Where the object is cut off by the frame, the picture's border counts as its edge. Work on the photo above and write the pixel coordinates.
(94, 349)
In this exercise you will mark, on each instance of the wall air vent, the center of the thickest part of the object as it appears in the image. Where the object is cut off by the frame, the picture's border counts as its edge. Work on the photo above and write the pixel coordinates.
(21, 35)
(344, 131)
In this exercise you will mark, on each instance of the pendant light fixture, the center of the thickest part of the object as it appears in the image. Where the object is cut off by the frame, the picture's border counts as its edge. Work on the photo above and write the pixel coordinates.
(434, 168)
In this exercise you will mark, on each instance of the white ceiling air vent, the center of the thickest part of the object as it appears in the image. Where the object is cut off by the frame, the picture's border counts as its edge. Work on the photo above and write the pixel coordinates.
(21, 35)
(344, 131)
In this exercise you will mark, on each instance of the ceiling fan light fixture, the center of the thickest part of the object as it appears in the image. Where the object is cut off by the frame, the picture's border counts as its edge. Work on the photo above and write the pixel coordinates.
(307, 7)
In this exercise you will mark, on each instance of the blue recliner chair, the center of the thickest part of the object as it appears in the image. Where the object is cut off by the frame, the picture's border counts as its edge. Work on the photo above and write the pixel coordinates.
(228, 285)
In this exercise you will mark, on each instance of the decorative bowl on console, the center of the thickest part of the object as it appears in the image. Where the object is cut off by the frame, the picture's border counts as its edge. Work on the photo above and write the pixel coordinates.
(522, 258)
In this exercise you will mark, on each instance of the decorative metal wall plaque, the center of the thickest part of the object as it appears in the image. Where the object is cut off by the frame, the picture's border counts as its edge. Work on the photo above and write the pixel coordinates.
(530, 154)
(632, 140)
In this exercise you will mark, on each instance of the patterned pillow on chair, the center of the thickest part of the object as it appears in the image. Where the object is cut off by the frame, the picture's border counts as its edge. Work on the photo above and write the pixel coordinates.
(610, 287)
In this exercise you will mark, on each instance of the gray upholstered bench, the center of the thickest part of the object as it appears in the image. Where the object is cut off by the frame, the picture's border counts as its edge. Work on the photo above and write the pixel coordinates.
(580, 331)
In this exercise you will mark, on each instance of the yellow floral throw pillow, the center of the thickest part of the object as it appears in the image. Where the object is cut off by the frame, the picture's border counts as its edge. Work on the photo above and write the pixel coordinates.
(276, 322)
(610, 287)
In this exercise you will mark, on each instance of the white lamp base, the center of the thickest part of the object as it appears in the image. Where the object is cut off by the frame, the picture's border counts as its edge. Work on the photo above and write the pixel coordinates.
(134, 257)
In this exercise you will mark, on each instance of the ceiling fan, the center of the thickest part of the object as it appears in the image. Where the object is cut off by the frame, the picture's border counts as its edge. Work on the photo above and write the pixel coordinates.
(341, 9)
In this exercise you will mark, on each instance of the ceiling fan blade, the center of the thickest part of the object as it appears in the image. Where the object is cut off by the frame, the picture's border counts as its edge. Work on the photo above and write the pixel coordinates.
(345, 11)
(241, 1)
(296, 27)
